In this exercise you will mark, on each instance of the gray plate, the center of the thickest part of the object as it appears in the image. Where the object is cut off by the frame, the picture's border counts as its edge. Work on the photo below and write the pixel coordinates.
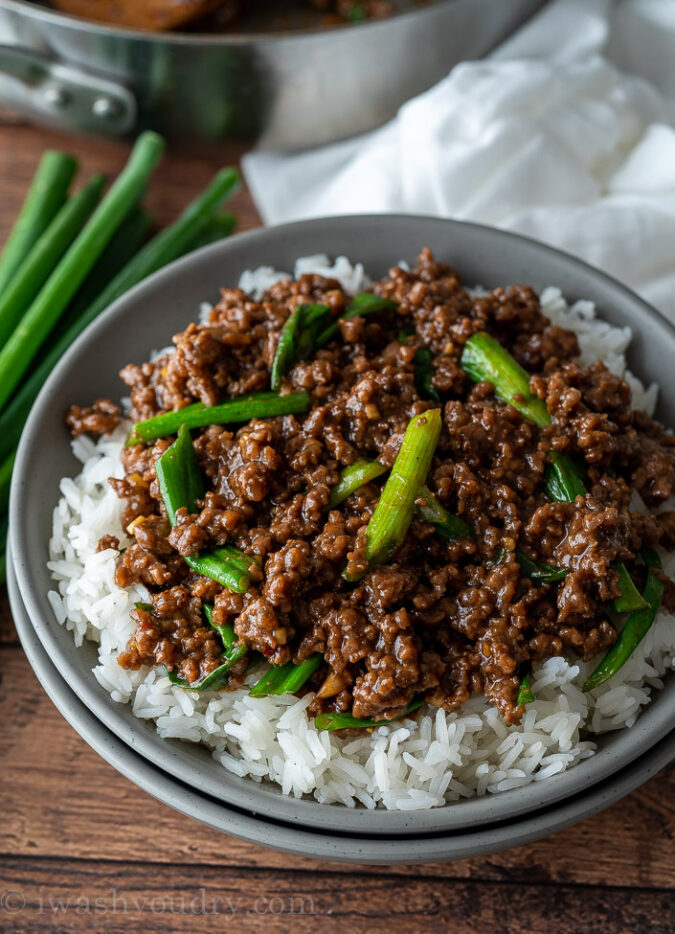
(345, 848)
(145, 318)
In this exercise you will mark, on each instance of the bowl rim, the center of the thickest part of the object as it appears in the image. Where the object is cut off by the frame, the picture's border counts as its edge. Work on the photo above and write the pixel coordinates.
(172, 755)
(288, 838)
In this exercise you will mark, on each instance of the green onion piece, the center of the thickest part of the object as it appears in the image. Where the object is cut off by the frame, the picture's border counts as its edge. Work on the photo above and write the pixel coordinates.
(146, 607)
(186, 234)
(448, 526)
(46, 196)
(347, 721)
(351, 478)
(635, 628)
(297, 340)
(286, 679)
(394, 512)
(564, 478)
(45, 254)
(179, 477)
(181, 485)
(424, 374)
(219, 565)
(486, 361)
(314, 320)
(629, 598)
(538, 571)
(525, 695)
(364, 304)
(367, 303)
(52, 300)
(242, 409)
(285, 353)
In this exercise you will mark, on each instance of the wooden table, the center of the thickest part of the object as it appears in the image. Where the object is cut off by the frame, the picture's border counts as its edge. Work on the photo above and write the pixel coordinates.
(82, 849)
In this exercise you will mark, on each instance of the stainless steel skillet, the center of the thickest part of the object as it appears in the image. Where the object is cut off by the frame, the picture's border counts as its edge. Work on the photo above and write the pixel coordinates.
(288, 89)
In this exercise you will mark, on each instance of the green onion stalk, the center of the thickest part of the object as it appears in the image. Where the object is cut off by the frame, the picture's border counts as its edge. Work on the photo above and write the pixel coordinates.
(286, 679)
(395, 509)
(44, 256)
(195, 226)
(19, 351)
(242, 409)
(45, 198)
(347, 721)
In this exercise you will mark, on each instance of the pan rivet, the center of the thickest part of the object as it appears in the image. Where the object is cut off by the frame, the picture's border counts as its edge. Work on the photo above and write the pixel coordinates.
(56, 96)
(105, 108)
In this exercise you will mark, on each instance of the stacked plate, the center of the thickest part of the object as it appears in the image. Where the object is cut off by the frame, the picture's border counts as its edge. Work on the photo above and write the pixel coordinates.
(185, 775)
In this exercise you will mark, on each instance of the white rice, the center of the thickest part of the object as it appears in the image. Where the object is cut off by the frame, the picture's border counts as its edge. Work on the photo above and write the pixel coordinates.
(408, 764)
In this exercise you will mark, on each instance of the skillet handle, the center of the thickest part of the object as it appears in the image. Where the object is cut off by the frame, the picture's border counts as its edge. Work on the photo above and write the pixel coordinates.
(62, 95)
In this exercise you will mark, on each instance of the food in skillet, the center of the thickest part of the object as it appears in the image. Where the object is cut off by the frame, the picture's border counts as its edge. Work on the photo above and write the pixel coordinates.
(145, 14)
(415, 495)
(172, 14)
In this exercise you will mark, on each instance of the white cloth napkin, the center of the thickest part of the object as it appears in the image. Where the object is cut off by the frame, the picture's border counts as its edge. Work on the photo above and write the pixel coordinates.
(562, 134)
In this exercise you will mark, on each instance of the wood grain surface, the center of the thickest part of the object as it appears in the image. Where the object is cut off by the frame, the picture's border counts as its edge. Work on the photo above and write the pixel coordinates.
(82, 849)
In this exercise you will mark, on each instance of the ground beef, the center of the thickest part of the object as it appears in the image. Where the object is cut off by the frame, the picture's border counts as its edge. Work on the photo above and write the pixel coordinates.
(98, 419)
(444, 619)
(108, 541)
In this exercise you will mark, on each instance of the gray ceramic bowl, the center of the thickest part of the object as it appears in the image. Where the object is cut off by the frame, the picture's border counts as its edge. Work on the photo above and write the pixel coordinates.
(146, 318)
(287, 837)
